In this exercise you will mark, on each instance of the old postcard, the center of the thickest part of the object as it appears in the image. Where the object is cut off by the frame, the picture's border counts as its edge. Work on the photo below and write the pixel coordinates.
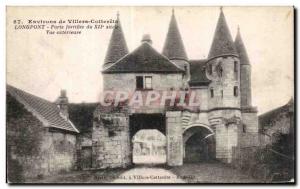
(150, 95)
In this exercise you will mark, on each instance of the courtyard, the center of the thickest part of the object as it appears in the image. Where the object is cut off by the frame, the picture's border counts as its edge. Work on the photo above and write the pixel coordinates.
(209, 172)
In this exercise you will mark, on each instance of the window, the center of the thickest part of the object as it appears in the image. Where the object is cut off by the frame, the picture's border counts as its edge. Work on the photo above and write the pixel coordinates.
(148, 82)
(211, 93)
(235, 91)
(185, 68)
(221, 93)
(235, 66)
(143, 82)
(219, 70)
(244, 128)
(210, 69)
(139, 82)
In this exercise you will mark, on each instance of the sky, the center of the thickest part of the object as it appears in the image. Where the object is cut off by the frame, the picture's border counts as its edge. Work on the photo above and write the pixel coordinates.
(44, 64)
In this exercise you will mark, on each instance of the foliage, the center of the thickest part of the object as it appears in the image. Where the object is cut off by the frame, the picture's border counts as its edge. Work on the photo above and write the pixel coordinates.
(278, 158)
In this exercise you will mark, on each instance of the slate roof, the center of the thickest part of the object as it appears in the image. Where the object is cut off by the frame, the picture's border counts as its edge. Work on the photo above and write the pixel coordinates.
(144, 59)
(241, 49)
(198, 74)
(222, 42)
(47, 112)
(173, 47)
(266, 118)
(117, 47)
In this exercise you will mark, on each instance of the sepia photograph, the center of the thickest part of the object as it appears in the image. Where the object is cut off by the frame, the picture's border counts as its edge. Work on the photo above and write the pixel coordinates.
(150, 95)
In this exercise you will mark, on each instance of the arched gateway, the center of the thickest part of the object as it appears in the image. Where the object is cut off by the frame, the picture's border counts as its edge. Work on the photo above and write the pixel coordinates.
(198, 143)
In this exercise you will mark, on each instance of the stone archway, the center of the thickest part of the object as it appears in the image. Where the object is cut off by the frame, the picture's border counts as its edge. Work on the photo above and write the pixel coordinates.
(149, 147)
(198, 143)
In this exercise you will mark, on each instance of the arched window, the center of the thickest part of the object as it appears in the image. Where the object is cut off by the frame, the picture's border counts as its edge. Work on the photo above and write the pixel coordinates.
(235, 91)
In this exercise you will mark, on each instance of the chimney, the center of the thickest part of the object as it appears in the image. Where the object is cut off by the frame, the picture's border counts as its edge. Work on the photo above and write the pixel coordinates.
(62, 103)
(147, 38)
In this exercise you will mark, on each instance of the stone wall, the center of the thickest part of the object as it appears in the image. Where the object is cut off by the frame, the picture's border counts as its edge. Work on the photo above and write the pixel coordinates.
(248, 132)
(281, 123)
(226, 124)
(38, 150)
(174, 138)
(223, 86)
(127, 81)
(56, 155)
(110, 140)
(246, 99)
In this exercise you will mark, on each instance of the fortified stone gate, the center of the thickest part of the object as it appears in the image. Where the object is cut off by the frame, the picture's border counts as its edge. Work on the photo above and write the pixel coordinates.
(113, 131)
(222, 122)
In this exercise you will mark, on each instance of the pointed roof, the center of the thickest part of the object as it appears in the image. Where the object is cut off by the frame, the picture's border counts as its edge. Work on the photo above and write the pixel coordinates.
(117, 47)
(240, 47)
(222, 42)
(173, 47)
(197, 71)
(47, 112)
(144, 59)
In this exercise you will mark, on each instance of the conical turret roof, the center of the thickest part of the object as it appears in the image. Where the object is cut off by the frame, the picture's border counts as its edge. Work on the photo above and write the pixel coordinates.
(240, 47)
(222, 42)
(173, 47)
(117, 47)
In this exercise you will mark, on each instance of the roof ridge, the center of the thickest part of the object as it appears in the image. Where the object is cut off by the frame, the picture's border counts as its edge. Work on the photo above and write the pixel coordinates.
(144, 44)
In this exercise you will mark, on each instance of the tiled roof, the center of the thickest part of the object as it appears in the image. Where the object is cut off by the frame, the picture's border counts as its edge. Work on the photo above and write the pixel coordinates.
(47, 112)
(222, 42)
(117, 47)
(173, 47)
(145, 59)
(198, 75)
(240, 47)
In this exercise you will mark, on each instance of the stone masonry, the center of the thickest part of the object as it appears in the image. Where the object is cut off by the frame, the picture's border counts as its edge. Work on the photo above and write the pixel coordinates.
(110, 140)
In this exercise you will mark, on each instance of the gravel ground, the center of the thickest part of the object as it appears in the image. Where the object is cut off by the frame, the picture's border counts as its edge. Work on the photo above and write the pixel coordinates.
(214, 172)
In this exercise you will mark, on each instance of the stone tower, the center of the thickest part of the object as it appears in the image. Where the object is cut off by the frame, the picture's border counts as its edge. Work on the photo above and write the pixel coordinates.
(223, 69)
(174, 48)
(249, 129)
(245, 70)
(117, 47)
